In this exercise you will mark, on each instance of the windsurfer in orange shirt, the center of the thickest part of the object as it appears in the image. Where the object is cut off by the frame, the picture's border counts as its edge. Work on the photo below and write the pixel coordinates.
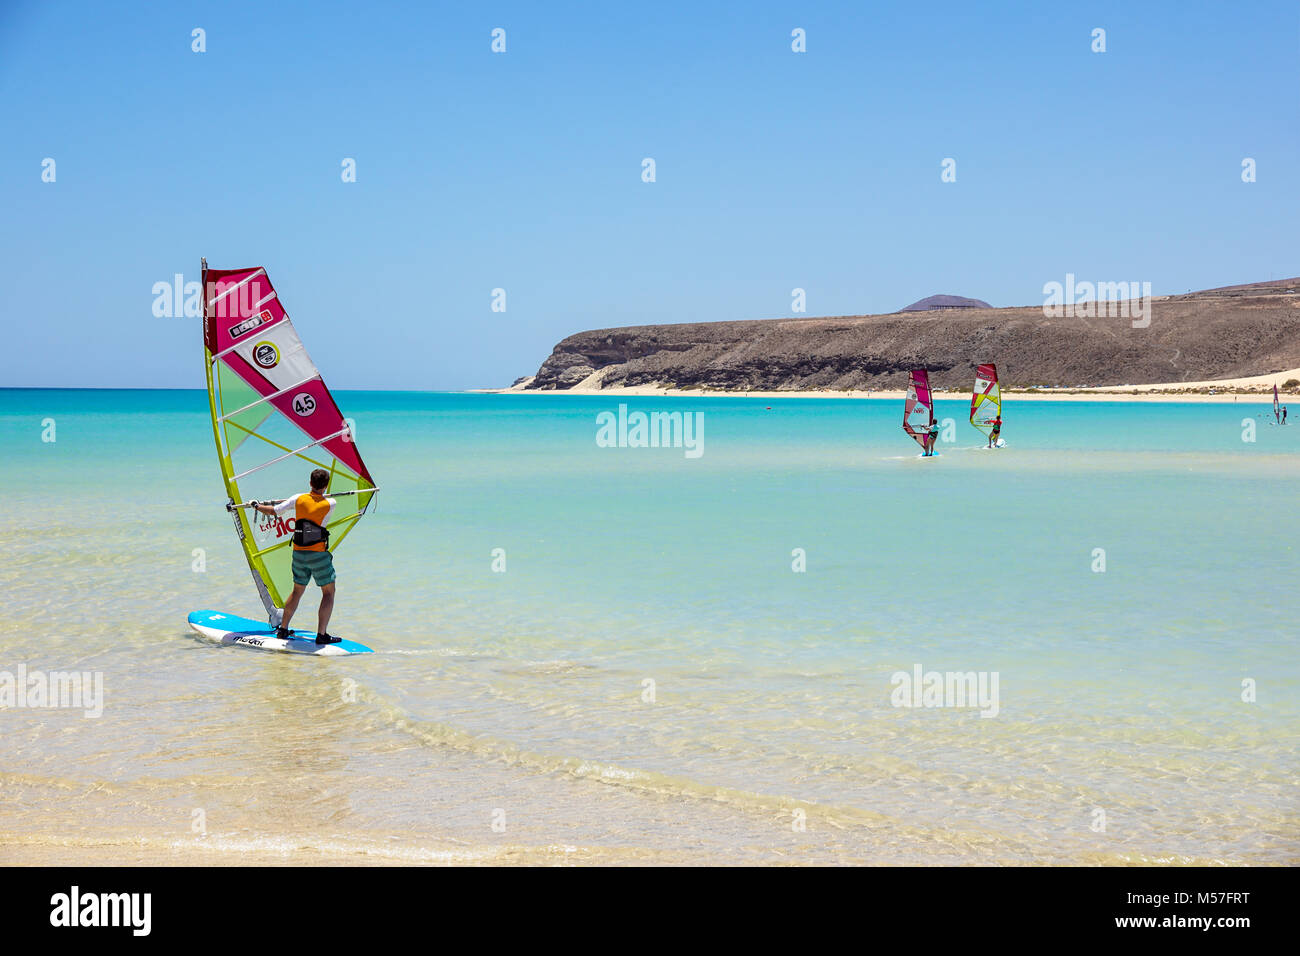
(311, 554)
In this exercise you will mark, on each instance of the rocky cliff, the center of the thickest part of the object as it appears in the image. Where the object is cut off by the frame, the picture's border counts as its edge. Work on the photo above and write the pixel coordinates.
(1222, 333)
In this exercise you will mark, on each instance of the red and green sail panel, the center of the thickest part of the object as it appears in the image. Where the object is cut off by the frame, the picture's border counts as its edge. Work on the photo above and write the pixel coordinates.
(986, 399)
(274, 421)
(918, 410)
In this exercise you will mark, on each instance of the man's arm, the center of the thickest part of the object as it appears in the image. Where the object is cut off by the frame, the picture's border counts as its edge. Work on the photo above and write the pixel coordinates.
(268, 509)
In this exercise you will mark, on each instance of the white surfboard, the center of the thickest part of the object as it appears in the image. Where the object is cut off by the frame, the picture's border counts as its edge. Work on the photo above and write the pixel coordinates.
(233, 629)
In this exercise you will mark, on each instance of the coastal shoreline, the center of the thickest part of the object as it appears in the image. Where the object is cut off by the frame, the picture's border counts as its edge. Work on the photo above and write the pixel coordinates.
(1237, 390)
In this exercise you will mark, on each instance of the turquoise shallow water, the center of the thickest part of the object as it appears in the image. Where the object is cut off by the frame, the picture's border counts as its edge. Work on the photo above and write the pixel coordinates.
(1120, 693)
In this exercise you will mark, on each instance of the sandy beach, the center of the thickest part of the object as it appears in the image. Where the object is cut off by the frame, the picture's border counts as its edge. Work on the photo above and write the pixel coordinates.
(1252, 389)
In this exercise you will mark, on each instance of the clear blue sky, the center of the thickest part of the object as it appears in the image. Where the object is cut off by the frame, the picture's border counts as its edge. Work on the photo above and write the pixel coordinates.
(523, 171)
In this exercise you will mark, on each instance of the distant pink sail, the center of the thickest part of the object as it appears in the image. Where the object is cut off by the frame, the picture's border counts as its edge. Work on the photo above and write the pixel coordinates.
(1277, 409)
(918, 410)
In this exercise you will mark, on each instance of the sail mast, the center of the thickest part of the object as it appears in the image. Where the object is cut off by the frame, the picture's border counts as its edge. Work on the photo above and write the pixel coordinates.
(273, 613)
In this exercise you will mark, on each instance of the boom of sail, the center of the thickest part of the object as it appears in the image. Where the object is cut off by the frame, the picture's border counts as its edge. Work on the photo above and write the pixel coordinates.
(274, 421)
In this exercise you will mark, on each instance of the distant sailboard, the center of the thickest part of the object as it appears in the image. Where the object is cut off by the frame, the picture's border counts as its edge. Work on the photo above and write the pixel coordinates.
(1277, 408)
(274, 421)
(918, 409)
(986, 401)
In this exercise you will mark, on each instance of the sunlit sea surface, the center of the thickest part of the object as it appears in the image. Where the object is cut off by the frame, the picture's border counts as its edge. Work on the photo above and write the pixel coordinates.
(650, 679)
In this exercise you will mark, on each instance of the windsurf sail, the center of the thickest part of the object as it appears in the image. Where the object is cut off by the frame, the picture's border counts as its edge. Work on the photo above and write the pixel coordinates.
(986, 399)
(274, 421)
(1277, 409)
(918, 410)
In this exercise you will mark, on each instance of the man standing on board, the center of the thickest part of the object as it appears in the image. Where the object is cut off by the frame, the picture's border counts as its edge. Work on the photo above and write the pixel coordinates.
(311, 555)
(931, 437)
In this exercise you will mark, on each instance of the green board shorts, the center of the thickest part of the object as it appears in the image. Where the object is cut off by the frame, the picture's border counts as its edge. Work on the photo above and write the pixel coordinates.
(308, 564)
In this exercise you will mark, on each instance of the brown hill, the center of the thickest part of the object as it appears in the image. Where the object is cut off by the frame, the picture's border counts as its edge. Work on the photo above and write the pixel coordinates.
(1216, 334)
(945, 302)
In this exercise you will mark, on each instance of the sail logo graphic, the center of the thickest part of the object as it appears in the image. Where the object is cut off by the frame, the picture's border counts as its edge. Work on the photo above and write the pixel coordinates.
(276, 527)
(303, 404)
(250, 323)
(266, 355)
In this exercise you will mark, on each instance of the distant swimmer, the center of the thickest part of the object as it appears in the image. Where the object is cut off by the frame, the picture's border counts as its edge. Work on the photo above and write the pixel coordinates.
(311, 551)
(997, 430)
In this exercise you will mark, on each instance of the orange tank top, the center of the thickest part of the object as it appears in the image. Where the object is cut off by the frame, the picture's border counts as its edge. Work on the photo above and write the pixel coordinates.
(313, 509)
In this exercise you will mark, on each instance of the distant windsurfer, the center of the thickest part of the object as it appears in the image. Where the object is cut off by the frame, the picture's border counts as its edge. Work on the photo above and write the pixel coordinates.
(1283, 414)
(931, 437)
(986, 403)
(311, 554)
